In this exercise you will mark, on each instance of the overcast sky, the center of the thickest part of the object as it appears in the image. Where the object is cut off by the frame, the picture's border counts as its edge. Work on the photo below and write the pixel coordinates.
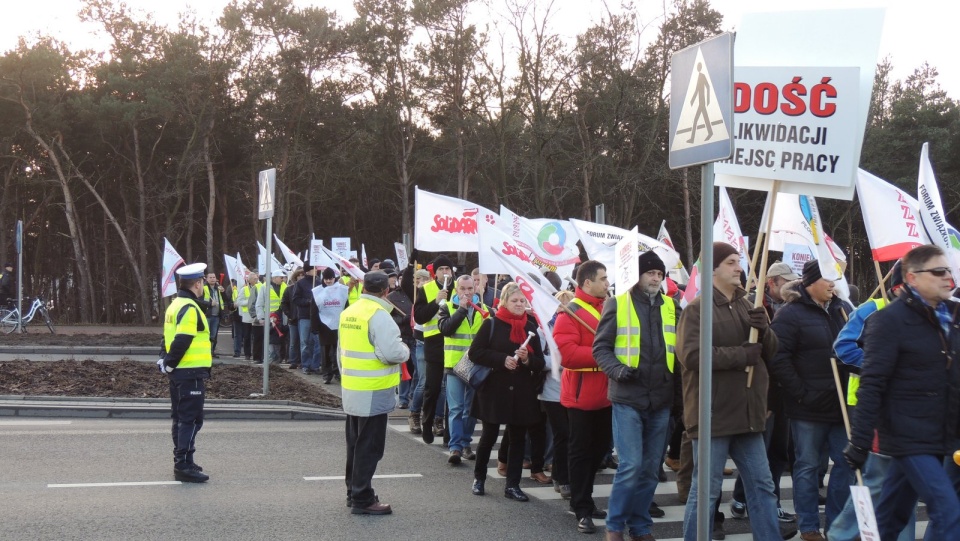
(914, 32)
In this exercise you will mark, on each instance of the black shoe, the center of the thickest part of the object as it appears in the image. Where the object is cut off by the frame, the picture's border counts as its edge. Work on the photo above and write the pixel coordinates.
(515, 494)
(598, 513)
(189, 474)
(661, 475)
(718, 533)
(655, 511)
(246, 358)
(788, 531)
(404, 406)
(427, 430)
(257, 362)
(585, 525)
(375, 508)
(478, 487)
(293, 367)
(327, 380)
(455, 457)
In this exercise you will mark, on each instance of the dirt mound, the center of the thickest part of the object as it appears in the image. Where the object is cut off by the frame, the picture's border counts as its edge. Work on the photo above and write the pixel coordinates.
(133, 379)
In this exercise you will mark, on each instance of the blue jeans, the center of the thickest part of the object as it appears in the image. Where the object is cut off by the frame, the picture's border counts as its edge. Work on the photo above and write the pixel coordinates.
(293, 343)
(844, 527)
(237, 335)
(459, 423)
(406, 386)
(309, 346)
(808, 440)
(214, 322)
(419, 377)
(638, 437)
(923, 475)
(750, 455)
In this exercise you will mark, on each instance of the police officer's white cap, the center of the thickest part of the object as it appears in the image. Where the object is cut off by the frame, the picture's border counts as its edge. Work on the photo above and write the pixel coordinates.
(192, 271)
(278, 273)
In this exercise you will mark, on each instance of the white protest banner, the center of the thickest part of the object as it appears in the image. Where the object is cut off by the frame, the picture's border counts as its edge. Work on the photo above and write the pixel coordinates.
(492, 240)
(319, 257)
(627, 262)
(443, 223)
(678, 273)
(241, 270)
(542, 302)
(402, 260)
(866, 517)
(171, 260)
(262, 260)
(345, 263)
(353, 255)
(363, 256)
(727, 229)
(551, 246)
(598, 241)
(796, 255)
(340, 245)
(933, 218)
(891, 216)
(289, 255)
(787, 119)
(231, 264)
(331, 301)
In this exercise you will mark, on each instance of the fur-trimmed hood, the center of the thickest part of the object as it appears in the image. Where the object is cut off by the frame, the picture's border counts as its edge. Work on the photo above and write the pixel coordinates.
(790, 291)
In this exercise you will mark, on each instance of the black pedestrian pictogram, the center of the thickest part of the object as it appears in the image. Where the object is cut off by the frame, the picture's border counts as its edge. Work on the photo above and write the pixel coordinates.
(701, 94)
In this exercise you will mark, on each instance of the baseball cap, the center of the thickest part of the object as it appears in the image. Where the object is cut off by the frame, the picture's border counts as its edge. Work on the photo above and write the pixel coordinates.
(783, 270)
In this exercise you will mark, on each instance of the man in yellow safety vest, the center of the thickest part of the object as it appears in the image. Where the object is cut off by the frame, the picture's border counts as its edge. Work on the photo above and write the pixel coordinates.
(369, 354)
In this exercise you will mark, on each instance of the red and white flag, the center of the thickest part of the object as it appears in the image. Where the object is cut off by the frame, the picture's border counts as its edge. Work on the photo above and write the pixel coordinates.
(544, 307)
(443, 223)
(552, 243)
(171, 260)
(288, 255)
(727, 229)
(693, 286)
(344, 263)
(678, 273)
(891, 216)
(493, 238)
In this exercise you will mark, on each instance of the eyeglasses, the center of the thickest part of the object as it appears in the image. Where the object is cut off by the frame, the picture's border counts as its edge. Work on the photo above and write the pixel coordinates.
(939, 272)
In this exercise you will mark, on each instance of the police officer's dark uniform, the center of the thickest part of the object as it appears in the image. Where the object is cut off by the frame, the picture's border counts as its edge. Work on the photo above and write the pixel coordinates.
(186, 360)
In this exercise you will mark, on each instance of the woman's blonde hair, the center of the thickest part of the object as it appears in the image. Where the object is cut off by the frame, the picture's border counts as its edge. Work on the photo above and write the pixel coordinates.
(508, 291)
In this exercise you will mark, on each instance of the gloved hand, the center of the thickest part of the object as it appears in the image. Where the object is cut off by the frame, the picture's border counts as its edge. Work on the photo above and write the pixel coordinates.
(754, 352)
(758, 319)
(856, 456)
(164, 369)
(627, 374)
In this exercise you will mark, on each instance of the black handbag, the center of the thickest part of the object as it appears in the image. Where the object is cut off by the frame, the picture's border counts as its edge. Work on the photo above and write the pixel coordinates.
(469, 372)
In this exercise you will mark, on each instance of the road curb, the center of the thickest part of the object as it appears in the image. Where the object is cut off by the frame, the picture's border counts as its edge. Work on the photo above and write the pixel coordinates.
(152, 408)
(84, 350)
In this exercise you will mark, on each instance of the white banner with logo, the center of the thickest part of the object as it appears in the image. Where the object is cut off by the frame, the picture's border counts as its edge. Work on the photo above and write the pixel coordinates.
(443, 223)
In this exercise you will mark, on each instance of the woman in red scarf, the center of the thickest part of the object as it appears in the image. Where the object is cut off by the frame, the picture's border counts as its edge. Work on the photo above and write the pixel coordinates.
(509, 394)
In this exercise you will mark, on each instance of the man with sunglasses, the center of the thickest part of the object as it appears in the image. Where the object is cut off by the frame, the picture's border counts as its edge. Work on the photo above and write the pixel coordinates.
(910, 393)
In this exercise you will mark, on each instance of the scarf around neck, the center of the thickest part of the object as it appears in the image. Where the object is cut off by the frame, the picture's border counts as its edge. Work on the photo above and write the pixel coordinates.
(518, 324)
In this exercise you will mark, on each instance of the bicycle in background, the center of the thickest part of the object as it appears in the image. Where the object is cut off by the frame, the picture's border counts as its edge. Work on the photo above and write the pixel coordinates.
(8, 317)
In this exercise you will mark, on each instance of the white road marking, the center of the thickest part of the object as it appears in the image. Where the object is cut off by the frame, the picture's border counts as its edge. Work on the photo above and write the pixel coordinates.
(132, 484)
(384, 476)
(33, 423)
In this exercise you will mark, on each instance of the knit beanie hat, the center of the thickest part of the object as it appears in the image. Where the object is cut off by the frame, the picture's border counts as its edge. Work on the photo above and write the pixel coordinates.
(328, 274)
(442, 261)
(811, 273)
(721, 251)
(649, 261)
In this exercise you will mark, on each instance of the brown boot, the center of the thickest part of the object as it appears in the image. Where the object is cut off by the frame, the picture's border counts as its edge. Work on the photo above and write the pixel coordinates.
(811, 536)
(614, 536)
(438, 426)
(414, 422)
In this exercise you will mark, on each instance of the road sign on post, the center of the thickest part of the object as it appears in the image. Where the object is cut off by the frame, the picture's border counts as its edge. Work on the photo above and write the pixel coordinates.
(701, 105)
(268, 182)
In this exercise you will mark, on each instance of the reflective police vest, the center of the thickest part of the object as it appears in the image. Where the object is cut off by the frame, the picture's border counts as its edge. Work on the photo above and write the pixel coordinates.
(430, 290)
(853, 380)
(184, 316)
(274, 297)
(360, 369)
(455, 346)
(627, 319)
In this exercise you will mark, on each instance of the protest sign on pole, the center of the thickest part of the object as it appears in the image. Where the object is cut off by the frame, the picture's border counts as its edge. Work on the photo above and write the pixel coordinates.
(627, 264)
(363, 256)
(402, 260)
(340, 246)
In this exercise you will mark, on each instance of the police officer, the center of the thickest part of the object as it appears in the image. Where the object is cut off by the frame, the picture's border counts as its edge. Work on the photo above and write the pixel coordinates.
(186, 360)
(370, 354)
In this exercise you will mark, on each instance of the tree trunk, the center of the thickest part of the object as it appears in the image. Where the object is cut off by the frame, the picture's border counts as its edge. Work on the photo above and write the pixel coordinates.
(687, 220)
(212, 203)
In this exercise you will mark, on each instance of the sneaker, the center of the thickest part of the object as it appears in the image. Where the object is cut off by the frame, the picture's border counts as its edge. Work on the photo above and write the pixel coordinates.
(738, 509)
(469, 454)
(785, 516)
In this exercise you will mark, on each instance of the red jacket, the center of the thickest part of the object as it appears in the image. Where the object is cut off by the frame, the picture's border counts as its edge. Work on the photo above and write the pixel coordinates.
(580, 389)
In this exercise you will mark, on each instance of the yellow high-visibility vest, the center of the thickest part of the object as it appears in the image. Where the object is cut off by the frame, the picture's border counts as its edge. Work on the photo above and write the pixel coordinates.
(274, 297)
(627, 318)
(191, 322)
(430, 290)
(455, 346)
(853, 380)
(244, 309)
(361, 370)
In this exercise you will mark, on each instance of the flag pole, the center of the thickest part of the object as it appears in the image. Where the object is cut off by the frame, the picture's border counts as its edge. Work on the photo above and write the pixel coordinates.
(883, 290)
(882, 280)
(762, 275)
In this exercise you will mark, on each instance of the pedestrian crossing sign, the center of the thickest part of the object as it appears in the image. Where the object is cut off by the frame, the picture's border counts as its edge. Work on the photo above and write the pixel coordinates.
(267, 181)
(701, 104)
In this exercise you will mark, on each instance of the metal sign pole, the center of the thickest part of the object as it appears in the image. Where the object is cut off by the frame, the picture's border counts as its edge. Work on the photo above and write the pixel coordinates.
(19, 241)
(704, 526)
(268, 290)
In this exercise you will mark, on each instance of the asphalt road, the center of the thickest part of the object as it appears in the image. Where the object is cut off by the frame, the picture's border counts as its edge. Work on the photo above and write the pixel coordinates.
(257, 488)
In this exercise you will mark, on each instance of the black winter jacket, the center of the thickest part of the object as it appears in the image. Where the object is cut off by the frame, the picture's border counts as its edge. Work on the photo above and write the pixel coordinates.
(302, 304)
(801, 368)
(507, 396)
(910, 381)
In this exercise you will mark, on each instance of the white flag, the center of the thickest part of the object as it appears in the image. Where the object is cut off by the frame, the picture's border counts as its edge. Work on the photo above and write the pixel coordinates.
(289, 255)
(727, 229)
(598, 241)
(891, 216)
(830, 267)
(493, 238)
(231, 264)
(627, 269)
(363, 255)
(544, 307)
(171, 260)
(345, 263)
(678, 273)
(262, 261)
(932, 216)
(241, 270)
(443, 223)
(552, 243)
(319, 257)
